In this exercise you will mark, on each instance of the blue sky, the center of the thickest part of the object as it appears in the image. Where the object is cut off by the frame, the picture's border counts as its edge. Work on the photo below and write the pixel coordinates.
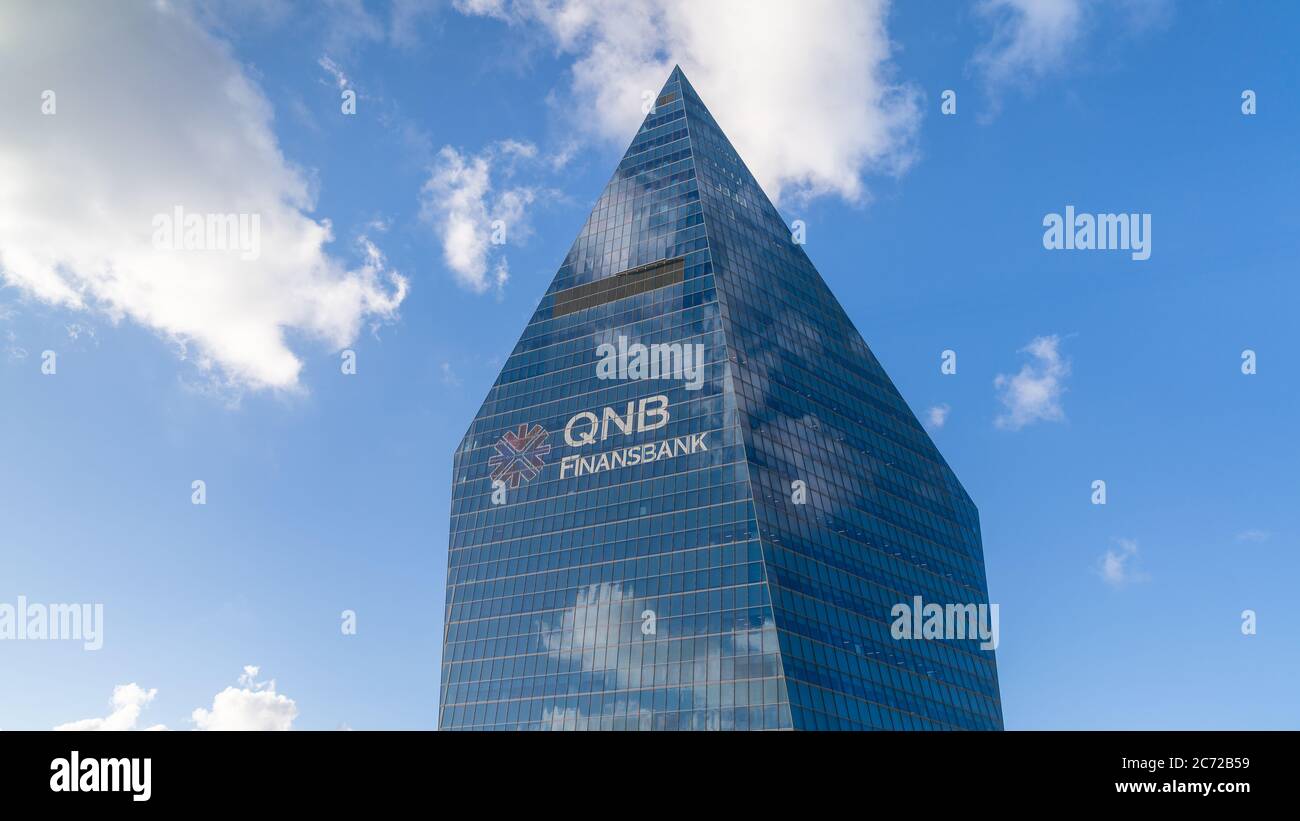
(329, 492)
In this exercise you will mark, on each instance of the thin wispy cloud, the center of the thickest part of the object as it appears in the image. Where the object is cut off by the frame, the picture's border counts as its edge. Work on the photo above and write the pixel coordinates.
(335, 71)
(937, 415)
(1029, 39)
(807, 91)
(13, 350)
(449, 375)
(405, 20)
(349, 25)
(466, 203)
(1255, 536)
(1034, 393)
(76, 331)
(1118, 565)
(343, 27)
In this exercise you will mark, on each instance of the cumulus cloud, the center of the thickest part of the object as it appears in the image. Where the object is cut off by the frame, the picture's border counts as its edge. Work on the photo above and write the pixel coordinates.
(1117, 566)
(254, 705)
(151, 113)
(937, 415)
(806, 91)
(473, 215)
(1034, 394)
(1030, 38)
(128, 701)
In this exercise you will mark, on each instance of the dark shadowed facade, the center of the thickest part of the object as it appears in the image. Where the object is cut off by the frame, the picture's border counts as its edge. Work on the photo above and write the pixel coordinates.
(713, 550)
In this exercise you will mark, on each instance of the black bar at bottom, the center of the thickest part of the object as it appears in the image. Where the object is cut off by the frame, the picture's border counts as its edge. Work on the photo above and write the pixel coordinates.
(638, 772)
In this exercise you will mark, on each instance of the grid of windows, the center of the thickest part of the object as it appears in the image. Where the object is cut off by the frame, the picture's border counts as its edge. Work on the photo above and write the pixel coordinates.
(633, 597)
(688, 591)
(885, 518)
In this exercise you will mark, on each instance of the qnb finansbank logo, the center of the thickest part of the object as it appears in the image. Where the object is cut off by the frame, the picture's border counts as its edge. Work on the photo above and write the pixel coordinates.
(647, 414)
(520, 455)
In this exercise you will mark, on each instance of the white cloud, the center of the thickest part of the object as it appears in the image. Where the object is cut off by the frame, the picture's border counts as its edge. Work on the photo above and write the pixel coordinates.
(1034, 394)
(76, 330)
(345, 27)
(128, 701)
(805, 90)
(560, 158)
(517, 148)
(335, 71)
(405, 20)
(253, 705)
(937, 415)
(460, 201)
(12, 349)
(349, 25)
(449, 375)
(1253, 535)
(1030, 39)
(1117, 565)
(154, 112)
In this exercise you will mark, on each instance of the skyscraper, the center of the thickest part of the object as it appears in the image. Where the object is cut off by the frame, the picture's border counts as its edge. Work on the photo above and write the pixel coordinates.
(693, 499)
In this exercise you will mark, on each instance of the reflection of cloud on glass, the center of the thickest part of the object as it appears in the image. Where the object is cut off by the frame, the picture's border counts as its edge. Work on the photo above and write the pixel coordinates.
(600, 633)
(560, 719)
(603, 617)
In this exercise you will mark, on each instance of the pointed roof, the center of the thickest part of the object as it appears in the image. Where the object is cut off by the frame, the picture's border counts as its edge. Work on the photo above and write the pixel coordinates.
(663, 138)
(683, 245)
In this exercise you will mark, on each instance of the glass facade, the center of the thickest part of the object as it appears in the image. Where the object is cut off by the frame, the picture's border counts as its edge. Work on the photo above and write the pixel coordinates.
(651, 545)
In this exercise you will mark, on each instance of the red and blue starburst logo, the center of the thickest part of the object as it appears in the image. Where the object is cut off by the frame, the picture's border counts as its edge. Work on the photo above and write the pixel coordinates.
(520, 454)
